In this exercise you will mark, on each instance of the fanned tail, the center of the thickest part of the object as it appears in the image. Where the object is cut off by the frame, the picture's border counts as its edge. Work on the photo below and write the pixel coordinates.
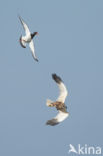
(49, 102)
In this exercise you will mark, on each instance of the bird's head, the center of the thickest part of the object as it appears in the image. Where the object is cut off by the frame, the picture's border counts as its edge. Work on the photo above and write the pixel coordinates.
(36, 33)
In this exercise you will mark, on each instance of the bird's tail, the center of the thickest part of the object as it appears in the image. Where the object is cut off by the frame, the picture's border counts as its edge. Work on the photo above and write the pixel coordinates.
(49, 103)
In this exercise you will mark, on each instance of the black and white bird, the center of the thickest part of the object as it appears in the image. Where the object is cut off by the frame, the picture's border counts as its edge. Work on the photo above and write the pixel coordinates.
(28, 38)
(59, 103)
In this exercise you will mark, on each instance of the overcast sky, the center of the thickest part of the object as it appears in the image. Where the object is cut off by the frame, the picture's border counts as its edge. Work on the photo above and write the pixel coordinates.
(70, 44)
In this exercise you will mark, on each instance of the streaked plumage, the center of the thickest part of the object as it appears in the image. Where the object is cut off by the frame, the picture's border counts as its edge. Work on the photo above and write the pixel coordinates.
(28, 38)
(59, 103)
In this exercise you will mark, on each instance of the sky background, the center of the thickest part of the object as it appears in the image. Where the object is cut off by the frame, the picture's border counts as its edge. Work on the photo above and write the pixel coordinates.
(70, 44)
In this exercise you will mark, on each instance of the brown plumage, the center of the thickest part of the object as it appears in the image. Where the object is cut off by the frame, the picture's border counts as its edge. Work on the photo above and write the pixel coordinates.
(59, 106)
(59, 103)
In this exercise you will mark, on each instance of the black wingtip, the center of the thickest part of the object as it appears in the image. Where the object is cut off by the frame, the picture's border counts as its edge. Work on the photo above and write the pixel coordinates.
(52, 122)
(56, 78)
(37, 60)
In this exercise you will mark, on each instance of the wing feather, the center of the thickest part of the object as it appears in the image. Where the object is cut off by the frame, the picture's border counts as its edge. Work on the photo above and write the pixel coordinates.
(62, 88)
(27, 31)
(61, 116)
(31, 45)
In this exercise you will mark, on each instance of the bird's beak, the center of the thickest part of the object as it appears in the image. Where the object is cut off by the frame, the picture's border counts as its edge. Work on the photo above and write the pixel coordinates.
(37, 33)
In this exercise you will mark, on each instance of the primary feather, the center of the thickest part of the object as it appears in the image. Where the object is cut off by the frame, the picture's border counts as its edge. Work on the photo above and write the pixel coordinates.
(27, 31)
(62, 88)
(61, 116)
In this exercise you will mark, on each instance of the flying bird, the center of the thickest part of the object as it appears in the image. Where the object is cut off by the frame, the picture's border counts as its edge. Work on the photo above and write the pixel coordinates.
(59, 103)
(28, 38)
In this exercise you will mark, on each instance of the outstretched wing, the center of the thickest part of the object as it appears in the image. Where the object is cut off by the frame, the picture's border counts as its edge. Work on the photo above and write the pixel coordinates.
(59, 118)
(31, 45)
(63, 91)
(27, 31)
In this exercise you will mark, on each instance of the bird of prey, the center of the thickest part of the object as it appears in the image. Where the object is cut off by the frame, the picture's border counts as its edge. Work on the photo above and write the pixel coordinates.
(28, 38)
(59, 103)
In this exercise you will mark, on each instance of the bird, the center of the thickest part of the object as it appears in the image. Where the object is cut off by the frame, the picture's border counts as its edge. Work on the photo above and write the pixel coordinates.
(28, 38)
(59, 103)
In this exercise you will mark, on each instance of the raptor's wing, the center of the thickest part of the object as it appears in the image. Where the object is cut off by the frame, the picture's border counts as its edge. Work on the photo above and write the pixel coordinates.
(63, 91)
(59, 118)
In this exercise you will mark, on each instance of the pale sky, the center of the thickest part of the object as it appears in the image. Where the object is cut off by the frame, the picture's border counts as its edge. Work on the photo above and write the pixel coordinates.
(70, 44)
